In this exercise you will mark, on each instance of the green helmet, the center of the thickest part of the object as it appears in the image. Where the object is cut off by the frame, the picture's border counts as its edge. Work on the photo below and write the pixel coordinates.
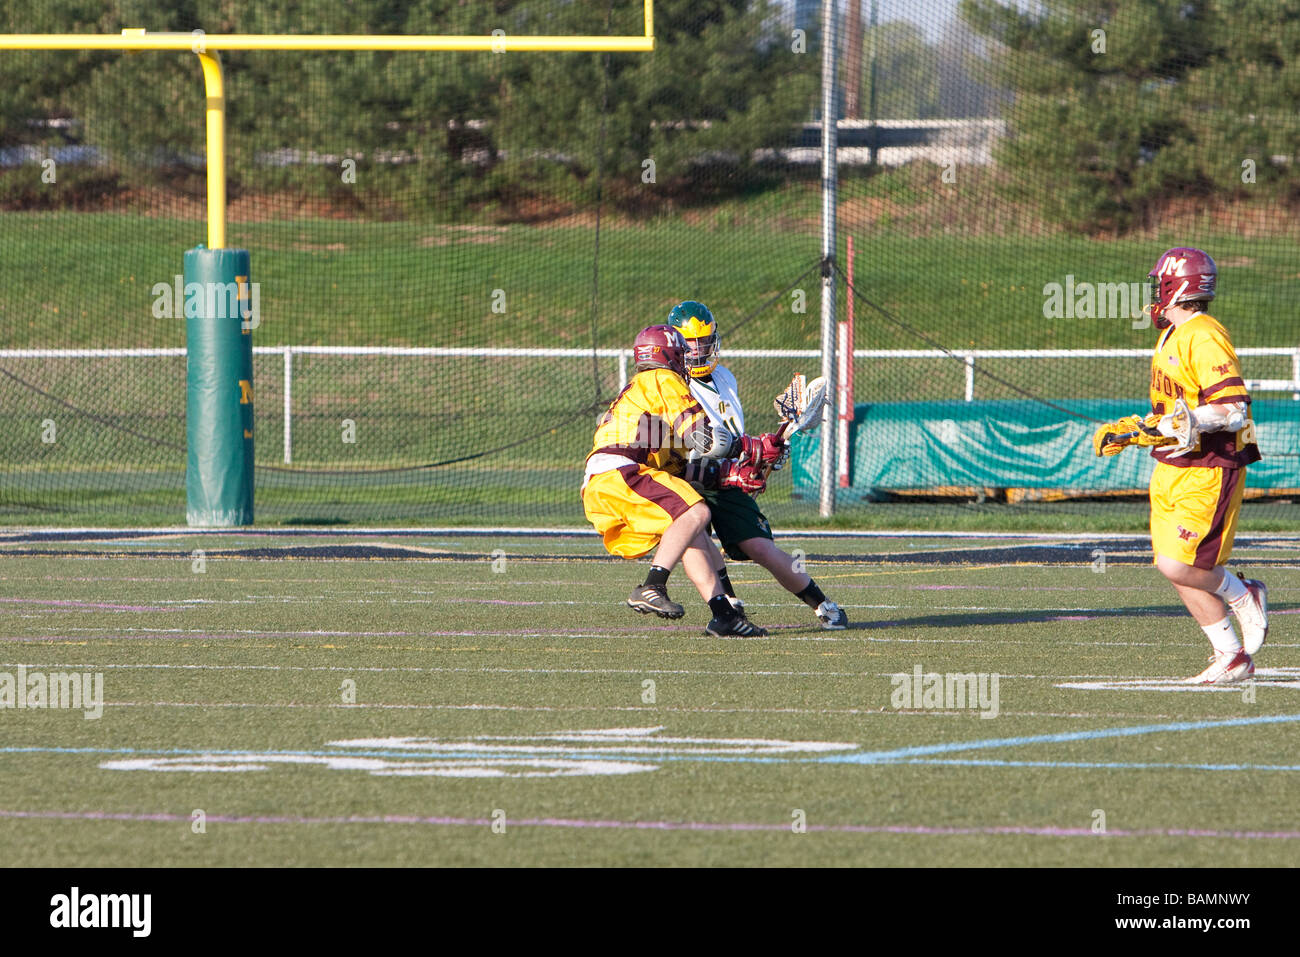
(700, 331)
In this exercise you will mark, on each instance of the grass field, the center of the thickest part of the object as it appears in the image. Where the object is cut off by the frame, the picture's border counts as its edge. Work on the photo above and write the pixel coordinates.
(87, 280)
(517, 693)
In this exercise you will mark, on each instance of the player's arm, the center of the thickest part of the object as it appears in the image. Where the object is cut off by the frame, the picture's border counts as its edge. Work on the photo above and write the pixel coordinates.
(1220, 416)
(690, 424)
(1214, 363)
(728, 473)
(1185, 425)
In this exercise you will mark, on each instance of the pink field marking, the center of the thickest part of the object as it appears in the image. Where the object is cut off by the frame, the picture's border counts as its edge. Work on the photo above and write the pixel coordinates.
(732, 826)
(134, 635)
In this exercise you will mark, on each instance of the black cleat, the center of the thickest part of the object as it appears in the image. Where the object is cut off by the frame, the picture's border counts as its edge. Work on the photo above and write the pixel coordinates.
(735, 625)
(654, 598)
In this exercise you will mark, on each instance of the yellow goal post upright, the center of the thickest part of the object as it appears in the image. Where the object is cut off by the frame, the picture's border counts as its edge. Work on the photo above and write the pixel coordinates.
(219, 364)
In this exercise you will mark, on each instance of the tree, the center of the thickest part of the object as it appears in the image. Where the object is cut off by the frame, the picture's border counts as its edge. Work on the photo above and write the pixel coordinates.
(445, 130)
(720, 85)
(907, 72)
(39, 86)
(1122, 106)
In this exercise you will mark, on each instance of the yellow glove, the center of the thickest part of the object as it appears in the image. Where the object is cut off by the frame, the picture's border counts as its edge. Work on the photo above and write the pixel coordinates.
(1107, 441)
(1114, 437)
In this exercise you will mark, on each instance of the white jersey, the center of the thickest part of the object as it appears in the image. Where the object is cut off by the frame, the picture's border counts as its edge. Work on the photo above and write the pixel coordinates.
(721, 401)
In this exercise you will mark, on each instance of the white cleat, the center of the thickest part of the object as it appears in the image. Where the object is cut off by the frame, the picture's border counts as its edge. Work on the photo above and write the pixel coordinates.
(1225, 669)
(832, 616)
(1253, 615)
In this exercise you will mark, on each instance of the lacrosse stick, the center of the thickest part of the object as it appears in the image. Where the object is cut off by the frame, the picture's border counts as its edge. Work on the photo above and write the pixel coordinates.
(800, 407)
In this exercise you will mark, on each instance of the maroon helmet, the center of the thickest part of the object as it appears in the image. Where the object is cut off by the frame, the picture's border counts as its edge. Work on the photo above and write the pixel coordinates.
(660, 347)
(1180, 275)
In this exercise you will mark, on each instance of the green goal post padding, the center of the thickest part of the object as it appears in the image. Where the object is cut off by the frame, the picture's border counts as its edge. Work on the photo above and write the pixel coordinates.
(219, 388)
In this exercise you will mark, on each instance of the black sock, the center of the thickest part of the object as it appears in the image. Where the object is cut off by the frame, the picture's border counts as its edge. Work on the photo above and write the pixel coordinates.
(657, 576)
(811, 596)
(726, 583)
(721, 607)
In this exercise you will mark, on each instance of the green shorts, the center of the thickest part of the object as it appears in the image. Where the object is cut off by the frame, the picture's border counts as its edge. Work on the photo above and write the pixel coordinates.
(736, 519)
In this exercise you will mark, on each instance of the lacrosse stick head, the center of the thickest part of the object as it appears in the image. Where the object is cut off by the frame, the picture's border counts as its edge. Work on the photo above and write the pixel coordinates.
(789, 404)
(814, 399)
(800, 405)
(1184, 426)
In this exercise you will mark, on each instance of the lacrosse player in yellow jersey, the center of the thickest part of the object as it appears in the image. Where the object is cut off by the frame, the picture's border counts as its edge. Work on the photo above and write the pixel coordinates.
(633, 491)
(1202, 438)
(739, 524)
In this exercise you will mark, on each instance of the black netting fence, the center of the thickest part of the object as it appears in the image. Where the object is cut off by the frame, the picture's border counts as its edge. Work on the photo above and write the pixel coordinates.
(453, 251)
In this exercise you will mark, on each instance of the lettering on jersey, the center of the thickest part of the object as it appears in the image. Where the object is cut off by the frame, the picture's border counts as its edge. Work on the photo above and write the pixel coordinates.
(1186, 534)
(1160, 382)
(1224, 369)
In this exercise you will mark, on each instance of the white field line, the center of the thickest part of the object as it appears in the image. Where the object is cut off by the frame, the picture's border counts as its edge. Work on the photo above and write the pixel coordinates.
(367, 585)
(436, 669)
(655, 709)
(1109, 611)
(1187, 642)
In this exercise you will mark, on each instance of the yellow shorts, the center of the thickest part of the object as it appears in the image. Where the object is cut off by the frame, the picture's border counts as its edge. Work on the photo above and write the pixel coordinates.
(633, 506)
(1194, 512)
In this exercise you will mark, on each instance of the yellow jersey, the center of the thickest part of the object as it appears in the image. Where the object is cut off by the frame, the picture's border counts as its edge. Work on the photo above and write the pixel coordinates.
(1196, 361)
(649, 423)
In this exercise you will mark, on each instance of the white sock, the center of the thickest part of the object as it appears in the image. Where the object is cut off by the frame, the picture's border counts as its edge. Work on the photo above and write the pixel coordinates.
(1223, 636)
(1232, 589)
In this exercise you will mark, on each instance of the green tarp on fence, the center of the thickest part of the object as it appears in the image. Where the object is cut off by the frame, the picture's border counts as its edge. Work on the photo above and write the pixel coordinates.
(1017, 444)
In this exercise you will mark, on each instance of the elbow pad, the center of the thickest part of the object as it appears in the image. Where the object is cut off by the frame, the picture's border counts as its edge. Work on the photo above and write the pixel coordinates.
(1220, 417)
(712, 441)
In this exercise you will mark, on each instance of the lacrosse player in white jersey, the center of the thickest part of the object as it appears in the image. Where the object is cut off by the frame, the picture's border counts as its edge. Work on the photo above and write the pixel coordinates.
(737, 521)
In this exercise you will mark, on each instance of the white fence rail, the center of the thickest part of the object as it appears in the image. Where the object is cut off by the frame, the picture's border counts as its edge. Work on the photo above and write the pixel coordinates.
(623, 357)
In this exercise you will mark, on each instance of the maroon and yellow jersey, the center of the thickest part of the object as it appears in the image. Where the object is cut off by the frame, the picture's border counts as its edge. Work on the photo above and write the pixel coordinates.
(649, 423)
(1196, 361)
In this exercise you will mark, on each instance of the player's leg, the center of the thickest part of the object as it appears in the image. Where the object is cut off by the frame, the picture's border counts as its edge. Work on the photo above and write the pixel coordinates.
(699, 563)
(747, 536)
(636, 510)
(652, 594)
(720, 565)
(1193, 522)
(785, 569)
(685, 528)
(1209, 595)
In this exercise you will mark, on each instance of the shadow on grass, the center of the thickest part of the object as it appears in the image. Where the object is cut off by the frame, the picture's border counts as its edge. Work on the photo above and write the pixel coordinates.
(1030, 617)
